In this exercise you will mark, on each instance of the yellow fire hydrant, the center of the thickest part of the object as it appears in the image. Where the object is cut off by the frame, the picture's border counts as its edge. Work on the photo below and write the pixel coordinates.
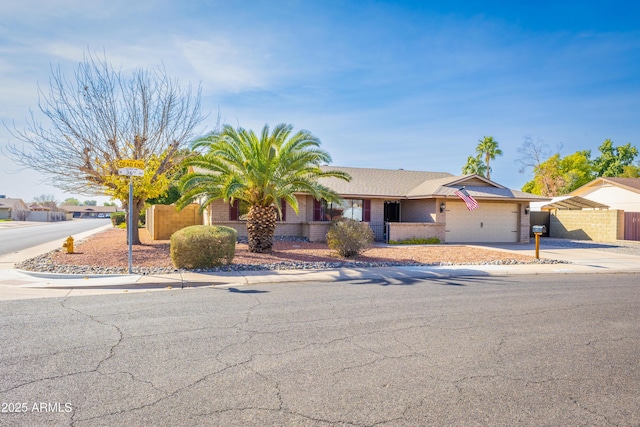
(68, 245)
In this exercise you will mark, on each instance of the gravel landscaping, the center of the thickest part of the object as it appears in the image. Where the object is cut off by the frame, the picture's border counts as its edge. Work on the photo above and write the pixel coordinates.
(107, 253)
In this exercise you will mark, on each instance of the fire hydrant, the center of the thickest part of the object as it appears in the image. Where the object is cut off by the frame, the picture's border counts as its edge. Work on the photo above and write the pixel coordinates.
(68, 245)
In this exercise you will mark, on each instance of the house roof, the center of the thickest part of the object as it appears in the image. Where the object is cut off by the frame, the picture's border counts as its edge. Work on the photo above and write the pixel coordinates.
(631, 184)
(87, 209)
(392, 183)
(403, 184)
(568, 203)
(13, 203)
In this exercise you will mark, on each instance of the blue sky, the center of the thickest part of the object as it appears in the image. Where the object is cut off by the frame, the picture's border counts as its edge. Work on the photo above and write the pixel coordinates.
(410, 85)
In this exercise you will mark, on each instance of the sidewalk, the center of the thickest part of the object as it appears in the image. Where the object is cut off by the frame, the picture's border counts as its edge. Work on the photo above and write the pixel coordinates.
(15, 284)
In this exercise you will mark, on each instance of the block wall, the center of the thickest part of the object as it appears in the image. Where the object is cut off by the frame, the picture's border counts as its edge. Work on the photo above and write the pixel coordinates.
(164, 220)
(597, 225)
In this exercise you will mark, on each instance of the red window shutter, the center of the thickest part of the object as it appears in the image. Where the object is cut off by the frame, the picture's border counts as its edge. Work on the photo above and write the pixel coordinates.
(366, 210)
(317, 210)
(283, 208)
(234, 210)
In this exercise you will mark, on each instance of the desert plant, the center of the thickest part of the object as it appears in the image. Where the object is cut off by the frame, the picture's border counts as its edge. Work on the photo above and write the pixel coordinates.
(262, 171)
(202, 246)
(349, 238)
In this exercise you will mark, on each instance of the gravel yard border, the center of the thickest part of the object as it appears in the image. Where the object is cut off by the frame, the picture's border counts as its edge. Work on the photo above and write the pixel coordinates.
(106, 253)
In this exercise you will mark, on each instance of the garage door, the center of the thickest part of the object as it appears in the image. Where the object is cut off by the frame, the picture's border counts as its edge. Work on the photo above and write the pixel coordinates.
(491, 222)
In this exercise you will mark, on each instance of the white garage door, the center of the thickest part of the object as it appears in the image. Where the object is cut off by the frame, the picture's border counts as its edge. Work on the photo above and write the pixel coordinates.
(491, 222)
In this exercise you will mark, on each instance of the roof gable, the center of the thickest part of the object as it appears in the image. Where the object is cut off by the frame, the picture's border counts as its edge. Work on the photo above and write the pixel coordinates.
(630, 184)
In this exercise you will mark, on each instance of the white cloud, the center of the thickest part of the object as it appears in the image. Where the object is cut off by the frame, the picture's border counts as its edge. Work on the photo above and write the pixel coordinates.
(226, 67)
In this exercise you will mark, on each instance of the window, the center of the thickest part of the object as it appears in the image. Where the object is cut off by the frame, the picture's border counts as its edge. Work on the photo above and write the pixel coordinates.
(240, 209)
(356, 209)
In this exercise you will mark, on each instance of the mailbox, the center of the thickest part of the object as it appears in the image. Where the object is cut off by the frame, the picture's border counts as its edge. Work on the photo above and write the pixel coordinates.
(539, 229)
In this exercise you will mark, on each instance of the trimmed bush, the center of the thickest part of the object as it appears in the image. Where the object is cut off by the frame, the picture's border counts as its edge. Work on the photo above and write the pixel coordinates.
(416, 241)
(118, 218)
(349, 238)
(203, 246)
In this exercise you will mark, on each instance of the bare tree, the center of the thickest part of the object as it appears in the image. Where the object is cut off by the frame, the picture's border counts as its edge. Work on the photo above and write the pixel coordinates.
(532, 155)
(46, 200)
(101, 117)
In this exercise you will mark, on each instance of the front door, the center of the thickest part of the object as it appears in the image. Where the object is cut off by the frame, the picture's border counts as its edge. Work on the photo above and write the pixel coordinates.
(391, 211)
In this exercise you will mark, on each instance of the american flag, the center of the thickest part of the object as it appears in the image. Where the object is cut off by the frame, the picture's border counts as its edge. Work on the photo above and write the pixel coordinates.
(468, 200)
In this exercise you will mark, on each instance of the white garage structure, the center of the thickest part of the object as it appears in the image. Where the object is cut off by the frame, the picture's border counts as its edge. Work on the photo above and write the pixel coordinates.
(490, 222)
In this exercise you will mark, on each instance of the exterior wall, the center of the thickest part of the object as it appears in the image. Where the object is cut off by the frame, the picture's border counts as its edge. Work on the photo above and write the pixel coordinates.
(377, 211)
(614, 197)
(239, 226)
(421, 219)
(417, 210)
(600, 225)
(218, 211)
(525, 223)
(410, 230)
(315, 231)
(436, 215)
(164, 220)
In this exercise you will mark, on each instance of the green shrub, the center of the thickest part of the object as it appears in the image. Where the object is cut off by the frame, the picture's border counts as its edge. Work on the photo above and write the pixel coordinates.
(142, 218)
(349, 238)
(416, 241)
(118, 218)
(203, 246)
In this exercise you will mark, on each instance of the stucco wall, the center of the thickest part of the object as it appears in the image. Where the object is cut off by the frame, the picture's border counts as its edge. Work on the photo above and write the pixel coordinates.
(600, 226)
(164, 220)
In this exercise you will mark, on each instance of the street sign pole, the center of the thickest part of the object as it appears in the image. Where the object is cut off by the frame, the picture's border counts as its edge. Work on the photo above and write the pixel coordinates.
(131, 224)
(131, 168)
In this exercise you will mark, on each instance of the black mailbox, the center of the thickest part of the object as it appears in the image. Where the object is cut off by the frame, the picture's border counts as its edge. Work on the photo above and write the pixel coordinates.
(539, 229)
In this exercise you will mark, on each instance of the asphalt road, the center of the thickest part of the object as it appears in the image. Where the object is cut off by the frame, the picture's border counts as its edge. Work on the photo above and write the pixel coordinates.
(519, 350)
(16, 238)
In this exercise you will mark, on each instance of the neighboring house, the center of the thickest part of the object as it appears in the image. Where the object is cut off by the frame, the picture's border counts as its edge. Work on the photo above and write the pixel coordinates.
(14, 209)
(617, 193)
(399, 205)
(89, 211)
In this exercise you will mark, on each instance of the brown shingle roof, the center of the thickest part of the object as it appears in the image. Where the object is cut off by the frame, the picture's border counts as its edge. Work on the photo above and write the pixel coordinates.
(403, 184)
(394, 183)
(627, 182)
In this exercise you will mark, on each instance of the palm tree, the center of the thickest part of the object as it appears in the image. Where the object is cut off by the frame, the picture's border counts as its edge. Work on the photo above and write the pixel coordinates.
(488, 147)
(261, 171)
(474, 165)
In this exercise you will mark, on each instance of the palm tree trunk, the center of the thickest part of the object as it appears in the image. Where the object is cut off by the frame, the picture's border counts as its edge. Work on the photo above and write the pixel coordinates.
(261, 226)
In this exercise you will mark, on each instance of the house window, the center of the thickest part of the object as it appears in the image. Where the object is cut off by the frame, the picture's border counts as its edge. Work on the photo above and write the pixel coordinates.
(356, 209)
(240, 209)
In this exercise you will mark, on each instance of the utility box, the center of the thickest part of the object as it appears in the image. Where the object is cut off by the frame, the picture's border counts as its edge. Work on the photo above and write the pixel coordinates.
(539, 229)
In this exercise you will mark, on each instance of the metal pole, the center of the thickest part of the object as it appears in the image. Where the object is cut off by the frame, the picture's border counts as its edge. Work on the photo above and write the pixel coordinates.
(131, 224)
